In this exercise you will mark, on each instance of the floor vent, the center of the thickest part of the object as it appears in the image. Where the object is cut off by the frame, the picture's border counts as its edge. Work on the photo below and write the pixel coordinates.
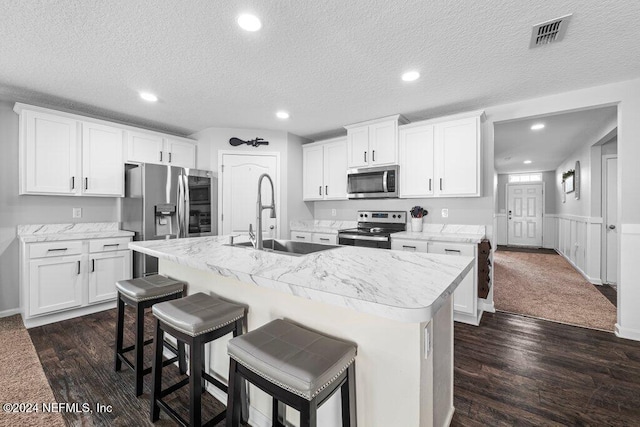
(550, 31)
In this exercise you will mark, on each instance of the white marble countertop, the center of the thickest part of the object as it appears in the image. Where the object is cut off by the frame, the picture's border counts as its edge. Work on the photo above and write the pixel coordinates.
(403, 286)
(445, 233)
(79, 231)
(320, 225)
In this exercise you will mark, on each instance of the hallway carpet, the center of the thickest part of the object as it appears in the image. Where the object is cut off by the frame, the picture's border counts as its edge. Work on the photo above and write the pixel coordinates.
(546, 286)
(22, 379)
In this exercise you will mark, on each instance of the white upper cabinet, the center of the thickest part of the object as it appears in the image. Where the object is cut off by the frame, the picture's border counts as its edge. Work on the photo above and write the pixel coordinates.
(441, 158)
(145, 147)
(324, 170)
(180, 153)
(48, 154)
(373, 143)
(416, 162)
(102, 165)
(457, 150)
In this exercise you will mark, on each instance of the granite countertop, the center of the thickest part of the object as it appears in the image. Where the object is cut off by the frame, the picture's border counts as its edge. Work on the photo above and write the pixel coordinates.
(56, 232)
(403, 286)
(320, 226)
(445, 233)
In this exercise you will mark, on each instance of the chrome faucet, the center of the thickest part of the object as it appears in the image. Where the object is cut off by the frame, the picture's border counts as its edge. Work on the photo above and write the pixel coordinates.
(259, 208)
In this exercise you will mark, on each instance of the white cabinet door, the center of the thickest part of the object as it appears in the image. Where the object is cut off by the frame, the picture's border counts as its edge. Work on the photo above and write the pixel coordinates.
(105, 269)
(416, 162)
(180, 153)
(383, 143)
(358, 146)
(312, 167)
(49, 154)
(301, 236)
(324, 238)
(465, 296)
(335, 170)
(145, 148)
(54, 284)
(457, 153)
(102, 160)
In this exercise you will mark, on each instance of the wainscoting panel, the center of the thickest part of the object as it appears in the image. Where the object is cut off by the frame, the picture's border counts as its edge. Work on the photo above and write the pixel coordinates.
(580, 243)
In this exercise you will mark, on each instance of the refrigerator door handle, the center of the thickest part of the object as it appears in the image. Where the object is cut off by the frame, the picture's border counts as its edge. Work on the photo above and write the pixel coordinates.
(186, 210)
(180, 207)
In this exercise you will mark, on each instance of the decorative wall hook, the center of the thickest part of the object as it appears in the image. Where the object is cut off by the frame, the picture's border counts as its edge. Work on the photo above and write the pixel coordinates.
(254, 142)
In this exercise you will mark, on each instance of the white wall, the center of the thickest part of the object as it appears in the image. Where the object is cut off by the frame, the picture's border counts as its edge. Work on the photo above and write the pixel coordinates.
(289, 147)
(16, 209)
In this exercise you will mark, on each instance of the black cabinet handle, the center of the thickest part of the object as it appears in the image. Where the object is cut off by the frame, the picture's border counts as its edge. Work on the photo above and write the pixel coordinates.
(160, 155)
(373, 155)
(300, 237)
(320, 190)
(111, 244)
(365, 157)
(78, 267)
(169, 157)
(93, 265)
(408, 247)
(326, 190)
(86, 183)
(325, 239)
(452, 250)
(73, 182)
(429, 184)
(56, 250)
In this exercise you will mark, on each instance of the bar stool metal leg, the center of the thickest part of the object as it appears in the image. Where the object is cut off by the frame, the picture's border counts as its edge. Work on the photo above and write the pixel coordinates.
(156, 381)
(139, 368)
(119, 333)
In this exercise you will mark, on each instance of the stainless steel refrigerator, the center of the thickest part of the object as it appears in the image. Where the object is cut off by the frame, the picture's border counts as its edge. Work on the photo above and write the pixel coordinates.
(167, 202)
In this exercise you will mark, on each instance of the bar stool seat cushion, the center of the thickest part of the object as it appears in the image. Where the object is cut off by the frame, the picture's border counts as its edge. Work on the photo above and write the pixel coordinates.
(150, 287)
(301, 361)
(198, 313)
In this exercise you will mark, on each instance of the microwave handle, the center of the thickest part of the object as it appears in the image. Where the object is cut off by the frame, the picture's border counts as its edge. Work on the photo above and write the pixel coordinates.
(385, 175)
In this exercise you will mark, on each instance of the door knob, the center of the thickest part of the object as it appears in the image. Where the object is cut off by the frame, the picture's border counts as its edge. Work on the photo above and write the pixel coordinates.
(612, 227)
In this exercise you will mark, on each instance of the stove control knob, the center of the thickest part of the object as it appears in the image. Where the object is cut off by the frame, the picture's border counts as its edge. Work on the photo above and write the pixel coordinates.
(360, 215)
(394, 216)
(366, 215)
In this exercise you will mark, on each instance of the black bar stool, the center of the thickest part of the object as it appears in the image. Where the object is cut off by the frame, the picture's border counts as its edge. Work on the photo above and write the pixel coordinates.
(142, 293)
(297, 367)
(194, 320)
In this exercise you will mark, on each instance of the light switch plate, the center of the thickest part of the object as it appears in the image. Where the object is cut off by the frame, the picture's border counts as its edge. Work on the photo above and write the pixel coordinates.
(333, 212)
(77, 212)
(445, 213)
(427, 340)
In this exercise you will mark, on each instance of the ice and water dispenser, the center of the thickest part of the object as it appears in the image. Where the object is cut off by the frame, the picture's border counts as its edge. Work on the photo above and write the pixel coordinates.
(165, 219)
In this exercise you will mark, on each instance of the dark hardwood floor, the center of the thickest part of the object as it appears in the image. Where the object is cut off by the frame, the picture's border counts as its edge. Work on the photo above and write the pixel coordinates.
(511, 370)
(77, 357)
(515, 370)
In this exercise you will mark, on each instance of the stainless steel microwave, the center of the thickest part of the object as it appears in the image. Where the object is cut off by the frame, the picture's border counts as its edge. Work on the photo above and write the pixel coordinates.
(373, 183)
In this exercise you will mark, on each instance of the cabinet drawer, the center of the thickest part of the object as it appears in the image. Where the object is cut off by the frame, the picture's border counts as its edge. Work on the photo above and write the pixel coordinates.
(409, 245)
(301, 236)
(113, 244)
(452, 249)
(60, 248)
(325, 238)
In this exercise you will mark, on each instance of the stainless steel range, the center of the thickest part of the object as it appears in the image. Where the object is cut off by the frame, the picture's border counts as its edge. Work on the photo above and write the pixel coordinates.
(374, 229)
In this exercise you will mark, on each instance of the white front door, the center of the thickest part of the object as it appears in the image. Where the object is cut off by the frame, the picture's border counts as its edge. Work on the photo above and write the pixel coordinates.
(524, 216)
(239, 180)
(611, 219)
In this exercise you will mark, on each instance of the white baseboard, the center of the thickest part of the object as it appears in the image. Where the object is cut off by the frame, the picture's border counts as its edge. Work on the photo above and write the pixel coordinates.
(579, 270)
(468, 318)
(449, 418)
(487, 306)
(10, 312)
(631, 334)
(65, 315)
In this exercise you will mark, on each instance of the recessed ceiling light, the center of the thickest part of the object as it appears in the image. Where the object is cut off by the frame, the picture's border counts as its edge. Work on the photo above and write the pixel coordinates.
(249, 22)
(282, 115)
(527, 162)
(410, 76)
(148, 96)
(537, 126)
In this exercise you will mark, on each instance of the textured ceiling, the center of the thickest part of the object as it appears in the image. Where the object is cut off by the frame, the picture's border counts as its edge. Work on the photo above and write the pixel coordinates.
(562, 135)
(329, 63)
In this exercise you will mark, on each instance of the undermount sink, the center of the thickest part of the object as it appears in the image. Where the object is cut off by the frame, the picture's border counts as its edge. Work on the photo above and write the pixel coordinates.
(289, 247)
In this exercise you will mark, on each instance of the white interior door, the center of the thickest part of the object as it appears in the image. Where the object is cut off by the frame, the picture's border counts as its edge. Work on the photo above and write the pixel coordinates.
(611, 217)
(240, 174)
(524, 216)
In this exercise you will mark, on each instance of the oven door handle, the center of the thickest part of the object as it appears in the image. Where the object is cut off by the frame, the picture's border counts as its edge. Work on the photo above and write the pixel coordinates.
(356, 237)
(385, 176)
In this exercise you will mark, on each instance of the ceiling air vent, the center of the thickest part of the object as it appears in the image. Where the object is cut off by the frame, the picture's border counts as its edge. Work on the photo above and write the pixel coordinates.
(549, 31)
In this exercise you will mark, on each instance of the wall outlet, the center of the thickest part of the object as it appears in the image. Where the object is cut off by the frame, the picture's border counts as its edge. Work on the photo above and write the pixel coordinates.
(445, 213)
(77, 212)
(427, 340)
(333, 212)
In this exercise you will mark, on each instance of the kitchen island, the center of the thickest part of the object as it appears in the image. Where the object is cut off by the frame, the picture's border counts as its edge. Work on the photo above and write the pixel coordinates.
(396, 306)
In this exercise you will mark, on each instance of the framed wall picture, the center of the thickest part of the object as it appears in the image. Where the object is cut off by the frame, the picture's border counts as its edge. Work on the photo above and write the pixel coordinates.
(576, 180)
(569, 184)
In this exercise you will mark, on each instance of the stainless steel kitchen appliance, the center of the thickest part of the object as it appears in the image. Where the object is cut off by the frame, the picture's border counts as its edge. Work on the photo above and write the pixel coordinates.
(373, 183)
(167, 202)
(374, 229)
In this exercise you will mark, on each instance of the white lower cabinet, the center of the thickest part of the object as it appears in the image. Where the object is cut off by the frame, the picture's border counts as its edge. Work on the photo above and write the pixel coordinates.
(64, 278)
(465, 297)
